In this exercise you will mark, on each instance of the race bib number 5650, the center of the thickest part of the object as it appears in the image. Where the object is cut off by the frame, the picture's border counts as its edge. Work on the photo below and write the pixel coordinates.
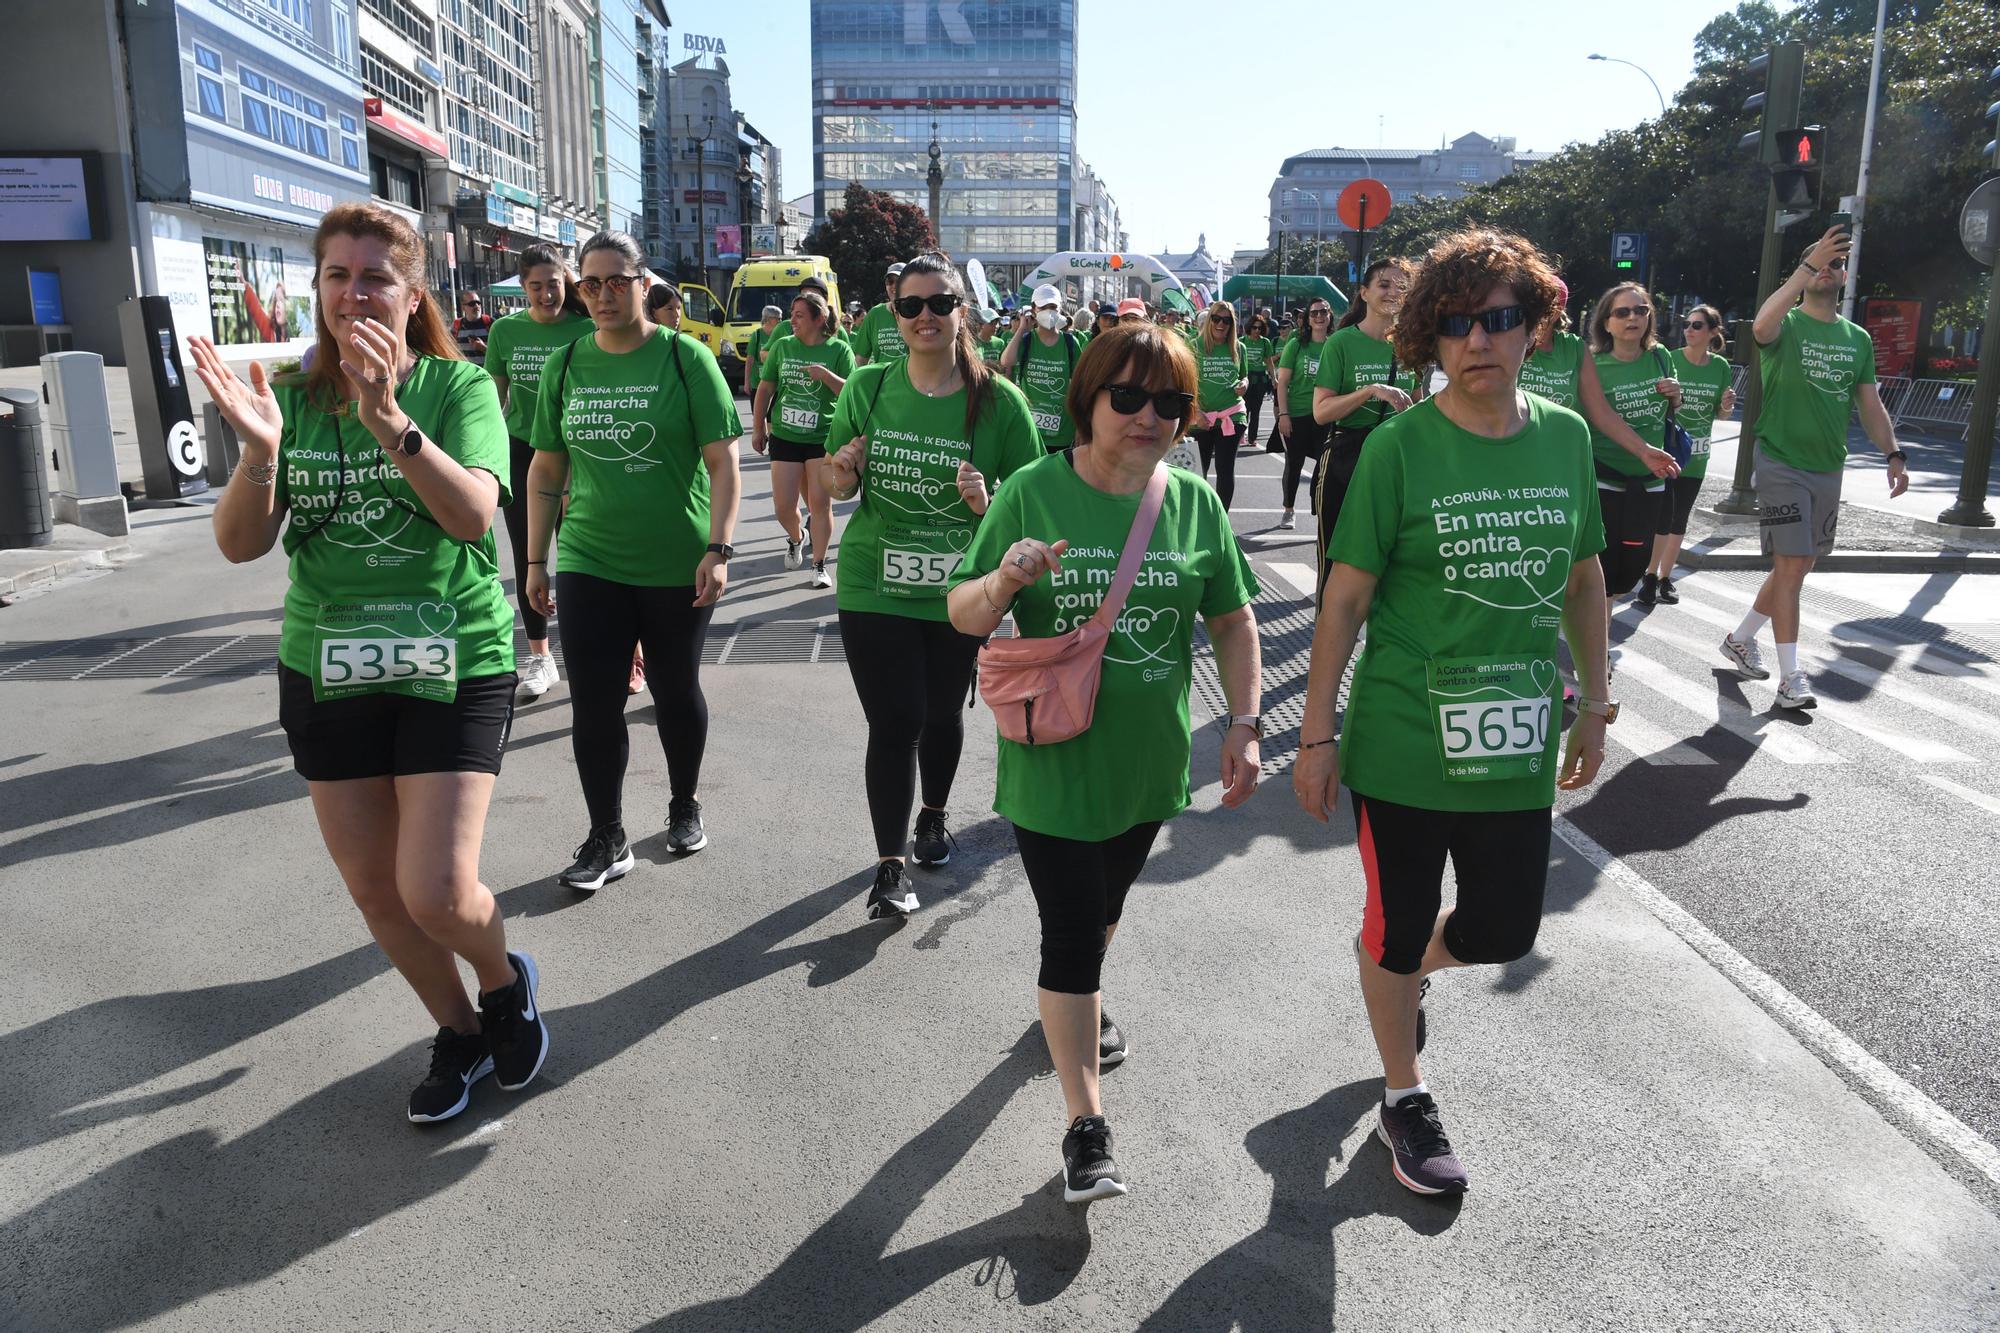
(1491, 716)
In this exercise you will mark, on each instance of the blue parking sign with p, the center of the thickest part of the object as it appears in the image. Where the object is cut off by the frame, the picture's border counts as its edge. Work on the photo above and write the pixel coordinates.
(1628, 250)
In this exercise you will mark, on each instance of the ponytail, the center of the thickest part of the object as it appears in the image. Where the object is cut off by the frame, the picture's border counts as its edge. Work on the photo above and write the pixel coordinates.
(1357, 310)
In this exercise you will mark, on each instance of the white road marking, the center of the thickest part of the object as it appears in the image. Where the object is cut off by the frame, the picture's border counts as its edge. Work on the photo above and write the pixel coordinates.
(1653, 744)
(1853, 717)
(1990, 804)
(1768, 734)
(1300, 577)
(1915, 1113)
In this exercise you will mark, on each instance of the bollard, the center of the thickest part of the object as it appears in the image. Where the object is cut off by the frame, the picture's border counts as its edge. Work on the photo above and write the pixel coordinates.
(25, 517)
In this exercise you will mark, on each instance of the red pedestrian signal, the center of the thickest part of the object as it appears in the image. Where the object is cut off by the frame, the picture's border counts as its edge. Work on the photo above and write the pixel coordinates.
(1797, 171)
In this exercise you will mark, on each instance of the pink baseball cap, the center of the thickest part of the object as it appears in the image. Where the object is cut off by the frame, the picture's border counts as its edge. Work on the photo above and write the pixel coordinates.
(1131, 305)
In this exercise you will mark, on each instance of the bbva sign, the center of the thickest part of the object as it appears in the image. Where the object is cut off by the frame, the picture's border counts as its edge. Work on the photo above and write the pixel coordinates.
(694, 41)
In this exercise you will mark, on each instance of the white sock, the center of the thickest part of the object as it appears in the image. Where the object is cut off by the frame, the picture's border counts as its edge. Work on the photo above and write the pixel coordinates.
(1391, 1096)
(1788, 658)
(1752, 623)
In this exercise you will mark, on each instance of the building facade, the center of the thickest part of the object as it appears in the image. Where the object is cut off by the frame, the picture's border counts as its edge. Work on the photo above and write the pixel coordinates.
(724, 177)
(999, 82)
(1303, 196)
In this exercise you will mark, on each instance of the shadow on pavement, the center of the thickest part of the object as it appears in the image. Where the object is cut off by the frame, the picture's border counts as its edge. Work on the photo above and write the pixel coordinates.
(841, 1277)
(1283, 1276)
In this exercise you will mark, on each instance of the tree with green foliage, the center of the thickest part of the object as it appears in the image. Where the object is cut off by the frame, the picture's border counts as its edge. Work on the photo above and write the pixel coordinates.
(869, 232)
(1683, 180)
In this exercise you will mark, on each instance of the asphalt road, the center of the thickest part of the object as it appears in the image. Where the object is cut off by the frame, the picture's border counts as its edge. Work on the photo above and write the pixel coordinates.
(763, 1112)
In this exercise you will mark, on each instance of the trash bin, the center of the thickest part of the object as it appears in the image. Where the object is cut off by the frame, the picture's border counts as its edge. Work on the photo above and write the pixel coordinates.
(25, 516)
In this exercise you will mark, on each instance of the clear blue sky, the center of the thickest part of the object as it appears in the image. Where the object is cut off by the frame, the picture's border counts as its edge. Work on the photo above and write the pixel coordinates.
(1397, 75)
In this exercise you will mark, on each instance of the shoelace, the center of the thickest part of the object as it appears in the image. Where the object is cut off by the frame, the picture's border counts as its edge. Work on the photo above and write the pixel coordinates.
(1427, 1136)
(934, 820)
(596, 839)
(444, 1055)
(682, 808)
(888, 875)
(1093, 1137)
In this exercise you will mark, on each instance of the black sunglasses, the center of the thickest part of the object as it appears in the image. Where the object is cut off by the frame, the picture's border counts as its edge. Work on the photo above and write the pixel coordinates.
(619, 283)
(1627, 311)
(1171, 404)
(1320, 312)
(1697, 323)
(1496, 321)
(909, 307)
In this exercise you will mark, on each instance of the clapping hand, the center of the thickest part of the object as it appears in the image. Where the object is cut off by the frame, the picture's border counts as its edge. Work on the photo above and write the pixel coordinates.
(251, 409)
(372, 366)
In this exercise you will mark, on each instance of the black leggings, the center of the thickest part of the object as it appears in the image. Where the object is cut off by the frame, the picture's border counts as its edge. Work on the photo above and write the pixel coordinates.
(914, 678)
(1631, 517)
(520, 454)
(1308, 438)
(1080, 892)
(1253, 398)
(601, 623)
(1678, 506)
(1220, 450)
(1501, 859)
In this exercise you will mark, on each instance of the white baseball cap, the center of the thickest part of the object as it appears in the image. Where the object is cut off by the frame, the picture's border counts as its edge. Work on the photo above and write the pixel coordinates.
(1047, 295)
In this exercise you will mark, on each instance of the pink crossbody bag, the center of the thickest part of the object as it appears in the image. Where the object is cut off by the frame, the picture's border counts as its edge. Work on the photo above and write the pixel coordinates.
(1043, 691)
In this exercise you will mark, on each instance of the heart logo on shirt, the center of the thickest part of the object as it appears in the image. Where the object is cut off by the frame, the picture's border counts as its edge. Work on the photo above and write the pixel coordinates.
(1543, 673)
(1545, 571)
(438, 618)
(958, 539)
(1146, 632)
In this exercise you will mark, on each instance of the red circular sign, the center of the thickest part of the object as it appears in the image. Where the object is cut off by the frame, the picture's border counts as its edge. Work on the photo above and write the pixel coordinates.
(1364, 203)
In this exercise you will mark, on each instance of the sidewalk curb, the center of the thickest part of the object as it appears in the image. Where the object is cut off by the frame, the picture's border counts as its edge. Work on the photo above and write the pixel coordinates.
(61, 566)
(1854, 562)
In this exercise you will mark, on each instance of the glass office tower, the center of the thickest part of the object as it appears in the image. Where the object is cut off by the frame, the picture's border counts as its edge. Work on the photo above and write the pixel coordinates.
(1000, 81)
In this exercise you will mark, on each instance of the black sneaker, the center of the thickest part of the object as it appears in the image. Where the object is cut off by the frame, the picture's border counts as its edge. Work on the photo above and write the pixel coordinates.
(1668, 597)
(1418, 1149)
(684, 831)
(1088, 1171)
(515, 1032)
(1110, 1042)
(934, 840)
(458, 1061)
(890, 896)
(1649, 590)
(604, 856)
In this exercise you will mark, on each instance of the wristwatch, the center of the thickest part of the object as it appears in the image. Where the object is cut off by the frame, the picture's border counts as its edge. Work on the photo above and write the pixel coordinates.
(1604, 708)
(409, 442)
(723, 549)
(1895, 456)
(1254, 721)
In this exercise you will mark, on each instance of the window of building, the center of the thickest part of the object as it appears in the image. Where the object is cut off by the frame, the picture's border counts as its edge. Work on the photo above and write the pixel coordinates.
(297, 12)
(208, 90)
(387, 80)
(1468, 171)
(405, 19)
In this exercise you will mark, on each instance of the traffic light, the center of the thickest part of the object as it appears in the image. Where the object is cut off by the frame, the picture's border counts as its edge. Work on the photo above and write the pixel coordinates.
(1784, 71)
(1796, 174)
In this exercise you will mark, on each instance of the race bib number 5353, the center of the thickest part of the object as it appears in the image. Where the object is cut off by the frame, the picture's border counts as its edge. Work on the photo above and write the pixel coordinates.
(1491, 716)
(404, 646)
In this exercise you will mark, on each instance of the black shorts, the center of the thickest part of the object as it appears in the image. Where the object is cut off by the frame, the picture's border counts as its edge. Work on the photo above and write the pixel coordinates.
(1678, 505)
(791, 451)
(1502, 864)
(394, 735)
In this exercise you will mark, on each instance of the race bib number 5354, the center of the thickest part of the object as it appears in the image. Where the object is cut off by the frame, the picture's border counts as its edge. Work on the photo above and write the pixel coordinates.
(1491, 715)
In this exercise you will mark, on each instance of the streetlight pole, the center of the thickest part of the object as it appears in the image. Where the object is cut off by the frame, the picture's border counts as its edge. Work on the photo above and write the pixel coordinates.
(701, 193)
(1867, 151)
(1642, 69)
(935, 179)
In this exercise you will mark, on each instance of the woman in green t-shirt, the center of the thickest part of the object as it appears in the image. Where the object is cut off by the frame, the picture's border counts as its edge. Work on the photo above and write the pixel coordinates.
(761, 338)
(921, 438)
(1638, 384)
(802, 376)
(1258, 357)
(380, 468)
(517, 346)
(1707, 397)
(1469, 528)
(638, 426)
(1086, 810)
(1359, 386)
(1220, 413)
(1298, 371)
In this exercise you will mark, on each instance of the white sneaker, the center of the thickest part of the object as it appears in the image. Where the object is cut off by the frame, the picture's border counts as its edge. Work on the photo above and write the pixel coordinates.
(1746, 658)
(537, 675)
(1289, 521)
(820, 578)
(1796, 692)
(794, 558)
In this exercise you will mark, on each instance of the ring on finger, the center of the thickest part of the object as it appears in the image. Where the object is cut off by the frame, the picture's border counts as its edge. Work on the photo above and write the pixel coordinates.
(1022, 561)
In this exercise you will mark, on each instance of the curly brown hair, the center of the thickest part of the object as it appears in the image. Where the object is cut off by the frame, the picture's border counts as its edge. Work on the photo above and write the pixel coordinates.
(1455, 277)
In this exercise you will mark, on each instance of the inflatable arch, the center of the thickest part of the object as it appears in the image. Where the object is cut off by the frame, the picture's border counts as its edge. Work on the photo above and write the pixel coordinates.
(1099, 264)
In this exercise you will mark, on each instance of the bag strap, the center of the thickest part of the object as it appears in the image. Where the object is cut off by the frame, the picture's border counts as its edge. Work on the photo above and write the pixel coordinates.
(1136, 542)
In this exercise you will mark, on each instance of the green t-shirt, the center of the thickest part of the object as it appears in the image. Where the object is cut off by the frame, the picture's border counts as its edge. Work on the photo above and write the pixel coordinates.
(1353, 360)
(877, 336)
(1628, 387)
(1702, 388)
(1810, 375)
(801, 406)
(633, 426)
(1472, 541)
(1256, 351)
(904, 538)
(1556, 374)
(516, 347)
(355, 530)
(1217, 370)
(1044, 375)
(1131, 766)
(1302, 356)
(992, 349)
(753, 351)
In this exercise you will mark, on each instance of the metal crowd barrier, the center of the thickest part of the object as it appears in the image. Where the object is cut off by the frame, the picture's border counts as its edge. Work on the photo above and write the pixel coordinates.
(1934, 403)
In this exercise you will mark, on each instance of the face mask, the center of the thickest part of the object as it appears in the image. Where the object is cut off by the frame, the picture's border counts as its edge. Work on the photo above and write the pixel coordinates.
(1048, 319)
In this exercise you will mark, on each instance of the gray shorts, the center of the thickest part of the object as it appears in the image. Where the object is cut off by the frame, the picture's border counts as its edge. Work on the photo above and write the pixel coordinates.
(1797, 512)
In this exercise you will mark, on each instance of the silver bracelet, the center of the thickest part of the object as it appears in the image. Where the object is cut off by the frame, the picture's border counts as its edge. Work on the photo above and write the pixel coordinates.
(256, 475)
(997, 610)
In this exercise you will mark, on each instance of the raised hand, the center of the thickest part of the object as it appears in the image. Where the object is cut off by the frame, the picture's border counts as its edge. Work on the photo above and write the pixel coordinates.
(1027, 560)
(972, 487)
(374, 370)
(251, 409)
